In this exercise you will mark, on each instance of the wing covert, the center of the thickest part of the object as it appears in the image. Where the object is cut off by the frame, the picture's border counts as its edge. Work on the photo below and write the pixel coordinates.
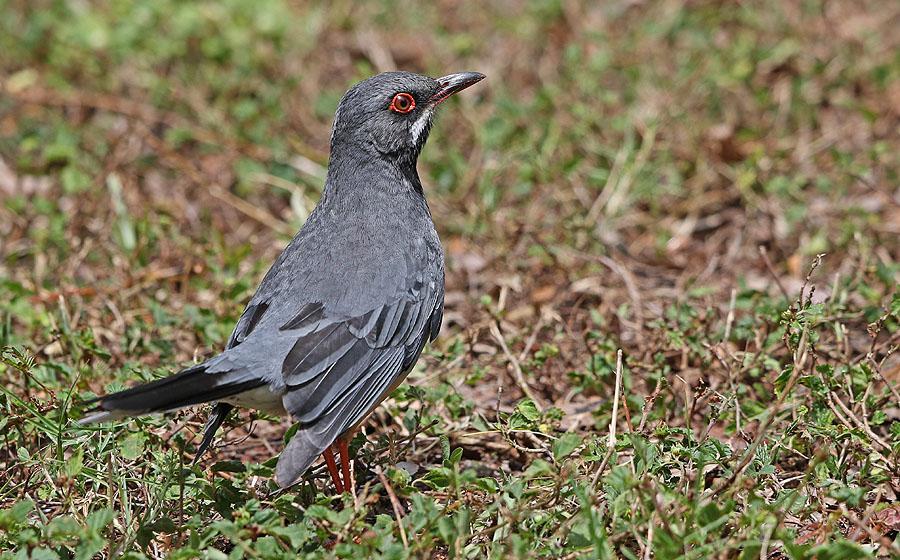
(337, 360)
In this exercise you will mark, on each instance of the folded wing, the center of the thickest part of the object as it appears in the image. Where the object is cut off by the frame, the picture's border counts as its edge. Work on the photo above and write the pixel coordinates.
(341, 367)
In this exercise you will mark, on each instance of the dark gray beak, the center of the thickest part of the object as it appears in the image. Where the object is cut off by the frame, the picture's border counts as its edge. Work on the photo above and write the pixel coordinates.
(454, 83)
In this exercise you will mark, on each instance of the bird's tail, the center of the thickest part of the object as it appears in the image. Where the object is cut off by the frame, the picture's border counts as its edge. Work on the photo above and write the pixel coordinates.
(188, 387)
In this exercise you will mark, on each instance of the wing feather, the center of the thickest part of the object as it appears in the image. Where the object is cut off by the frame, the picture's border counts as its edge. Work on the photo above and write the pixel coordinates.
(436, 318)
(314, 437)
(384, 378)
(340, 367)
(247, 322)
(313, 354)
(388, 322)
(340, 358)
(309, 315)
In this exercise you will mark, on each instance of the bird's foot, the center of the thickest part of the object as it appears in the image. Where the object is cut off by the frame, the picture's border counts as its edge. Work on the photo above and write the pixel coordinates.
(341, 447)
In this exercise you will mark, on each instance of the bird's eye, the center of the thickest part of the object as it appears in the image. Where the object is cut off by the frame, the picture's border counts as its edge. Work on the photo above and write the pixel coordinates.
(402, 103)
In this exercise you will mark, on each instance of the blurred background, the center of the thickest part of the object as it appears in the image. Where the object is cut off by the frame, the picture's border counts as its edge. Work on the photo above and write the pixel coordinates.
(651, 176)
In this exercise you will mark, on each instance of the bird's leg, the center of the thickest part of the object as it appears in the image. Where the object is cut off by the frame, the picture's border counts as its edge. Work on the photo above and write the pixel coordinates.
(328, 455)
(343, 447)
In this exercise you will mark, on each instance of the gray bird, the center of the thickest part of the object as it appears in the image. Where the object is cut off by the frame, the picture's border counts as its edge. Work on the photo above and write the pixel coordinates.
(343, 314)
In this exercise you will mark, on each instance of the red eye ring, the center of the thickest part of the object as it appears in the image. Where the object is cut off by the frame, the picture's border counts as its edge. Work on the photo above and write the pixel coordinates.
(402, 103)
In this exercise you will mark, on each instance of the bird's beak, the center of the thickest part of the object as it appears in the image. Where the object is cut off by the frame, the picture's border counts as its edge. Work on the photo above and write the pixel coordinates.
(454, 83)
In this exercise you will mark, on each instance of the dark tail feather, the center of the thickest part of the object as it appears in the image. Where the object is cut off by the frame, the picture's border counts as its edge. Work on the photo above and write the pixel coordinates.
(218, 415)
(188, 387)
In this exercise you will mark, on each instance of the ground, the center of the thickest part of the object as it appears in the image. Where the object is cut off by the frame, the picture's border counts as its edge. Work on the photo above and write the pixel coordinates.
(710, 187)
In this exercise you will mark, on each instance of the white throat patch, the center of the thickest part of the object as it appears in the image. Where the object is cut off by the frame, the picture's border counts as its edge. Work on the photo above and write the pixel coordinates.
(337, 118)
(417, 127)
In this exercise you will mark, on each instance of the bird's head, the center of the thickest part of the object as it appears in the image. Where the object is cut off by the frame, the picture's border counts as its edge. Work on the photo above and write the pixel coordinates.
(391, 114)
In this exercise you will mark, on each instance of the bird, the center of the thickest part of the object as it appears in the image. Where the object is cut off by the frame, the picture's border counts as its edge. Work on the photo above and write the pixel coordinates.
(343, 314)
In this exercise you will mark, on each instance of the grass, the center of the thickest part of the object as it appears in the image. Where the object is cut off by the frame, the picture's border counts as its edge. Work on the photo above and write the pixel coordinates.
(709, 187)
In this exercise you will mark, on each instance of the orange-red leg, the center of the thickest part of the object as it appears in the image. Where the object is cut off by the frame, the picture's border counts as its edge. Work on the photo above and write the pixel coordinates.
(343, 449)
(328, 455)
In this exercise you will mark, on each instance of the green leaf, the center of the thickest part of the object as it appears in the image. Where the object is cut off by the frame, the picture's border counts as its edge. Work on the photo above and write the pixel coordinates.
(895, 304)
(99, 520)
(528, 409)
(296, 534)
(537, 468)
(89, 546)
(17, 514)
(444, 441)
(487, 484)
(229, 466)
(43, 554)
(400, 478)
(438, 478)
(710, 515)
(74, 180)
(565, 445)
(163, 525)
(850, 495)
(290, 432)
(839, 550)
(454, 457)
(132, 447)
(63, 526)
(525, 416)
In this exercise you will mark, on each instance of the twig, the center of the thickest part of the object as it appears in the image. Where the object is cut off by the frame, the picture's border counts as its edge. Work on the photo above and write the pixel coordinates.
(800, 355)
(395, 505)
(249, 210)
(602, 467)
(874, 329)
(767, 536)
(729, 320)
(648, 549)
(612, 181)
(877, 369)
(771, 269)
(633, 293)
(518, 446)
(876, 538)
(731, 380)
(22, 369)
(518, 376)
(615, 411)
(750, 452)
(648, 404)
(850, 420)
(533, 338)
(815, 264)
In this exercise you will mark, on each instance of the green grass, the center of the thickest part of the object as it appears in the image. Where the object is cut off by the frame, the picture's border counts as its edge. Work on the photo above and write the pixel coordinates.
(655, 177)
